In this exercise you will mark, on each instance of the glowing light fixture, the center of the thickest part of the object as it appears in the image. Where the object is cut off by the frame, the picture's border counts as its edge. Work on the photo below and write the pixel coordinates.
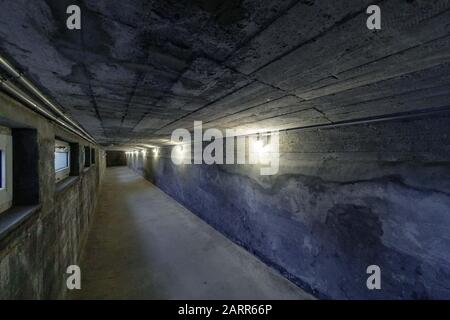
(259, 148)
(178, 154)
(259, 144)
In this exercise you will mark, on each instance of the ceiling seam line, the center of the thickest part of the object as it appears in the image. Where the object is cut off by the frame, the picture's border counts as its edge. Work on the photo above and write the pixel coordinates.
(345, 19)
(91, 92)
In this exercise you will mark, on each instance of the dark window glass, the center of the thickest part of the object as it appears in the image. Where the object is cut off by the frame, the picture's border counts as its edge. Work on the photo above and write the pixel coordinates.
(87, 156)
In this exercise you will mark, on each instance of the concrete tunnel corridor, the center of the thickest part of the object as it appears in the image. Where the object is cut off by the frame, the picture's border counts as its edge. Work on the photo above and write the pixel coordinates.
(145, 245)
(225, 149)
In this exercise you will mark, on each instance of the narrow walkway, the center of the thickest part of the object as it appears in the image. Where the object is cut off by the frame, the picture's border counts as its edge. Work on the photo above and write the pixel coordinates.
(145, 245)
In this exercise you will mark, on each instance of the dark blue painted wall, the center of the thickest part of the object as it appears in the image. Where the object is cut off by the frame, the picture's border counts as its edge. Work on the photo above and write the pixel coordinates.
(344, 199)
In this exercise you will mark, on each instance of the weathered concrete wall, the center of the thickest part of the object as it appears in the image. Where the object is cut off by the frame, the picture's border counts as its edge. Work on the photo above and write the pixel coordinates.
(35, 255)
(345, 198)
(115, 158)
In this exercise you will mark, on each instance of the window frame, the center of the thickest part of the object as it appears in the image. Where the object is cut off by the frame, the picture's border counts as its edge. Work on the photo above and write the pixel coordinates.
(63, 173)
(6, 186)
(93, 156)
(87, 157)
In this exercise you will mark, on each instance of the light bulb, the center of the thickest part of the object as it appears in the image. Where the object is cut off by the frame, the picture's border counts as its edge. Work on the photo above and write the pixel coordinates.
(258, 146)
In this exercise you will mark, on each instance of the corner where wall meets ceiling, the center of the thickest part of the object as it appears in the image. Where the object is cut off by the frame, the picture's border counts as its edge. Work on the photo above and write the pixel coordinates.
(134, 72)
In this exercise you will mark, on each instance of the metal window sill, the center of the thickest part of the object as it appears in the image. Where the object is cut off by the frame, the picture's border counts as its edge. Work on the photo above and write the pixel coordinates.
(65, 183)
(12, 218)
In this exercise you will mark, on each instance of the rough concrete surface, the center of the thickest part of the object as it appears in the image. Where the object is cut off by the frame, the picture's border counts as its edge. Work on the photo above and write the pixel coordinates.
(145, 245)
(139, 69)
(343, 199)
(34, 256)
(364, 161)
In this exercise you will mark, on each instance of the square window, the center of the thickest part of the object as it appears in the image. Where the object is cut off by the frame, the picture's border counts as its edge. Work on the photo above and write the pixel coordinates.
(87, 156)
(62, 160)
(92, 156)
(5, 172)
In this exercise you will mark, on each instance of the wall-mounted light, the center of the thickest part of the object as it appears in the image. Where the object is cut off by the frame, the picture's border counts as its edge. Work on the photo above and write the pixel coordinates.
(260, 143)
(178, 154)
(259, 148)
(156, 152)
(180, 151)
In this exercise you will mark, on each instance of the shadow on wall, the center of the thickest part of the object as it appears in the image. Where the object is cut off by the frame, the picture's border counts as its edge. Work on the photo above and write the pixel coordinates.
(116, 158)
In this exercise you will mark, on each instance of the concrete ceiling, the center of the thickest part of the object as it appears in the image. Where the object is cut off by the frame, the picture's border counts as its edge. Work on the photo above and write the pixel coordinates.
(139, 69)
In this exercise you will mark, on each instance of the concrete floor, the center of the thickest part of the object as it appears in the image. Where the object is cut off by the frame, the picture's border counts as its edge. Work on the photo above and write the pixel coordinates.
(145, 245)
